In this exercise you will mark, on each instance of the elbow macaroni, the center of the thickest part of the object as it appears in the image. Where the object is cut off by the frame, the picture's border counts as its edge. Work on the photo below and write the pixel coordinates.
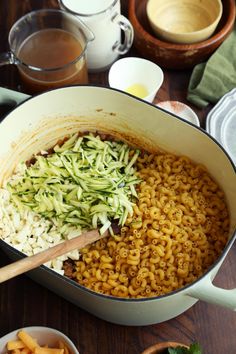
(179, 227)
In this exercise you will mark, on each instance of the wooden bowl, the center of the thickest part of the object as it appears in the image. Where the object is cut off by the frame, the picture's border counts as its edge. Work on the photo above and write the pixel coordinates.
(160, 348)
(173, 55)
(184, 21)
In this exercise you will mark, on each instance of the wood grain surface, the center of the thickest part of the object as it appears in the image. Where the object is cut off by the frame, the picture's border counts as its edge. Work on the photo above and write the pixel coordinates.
(26, 303)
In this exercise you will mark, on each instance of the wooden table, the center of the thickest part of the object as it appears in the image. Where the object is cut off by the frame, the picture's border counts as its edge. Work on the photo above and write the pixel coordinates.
(26, 303)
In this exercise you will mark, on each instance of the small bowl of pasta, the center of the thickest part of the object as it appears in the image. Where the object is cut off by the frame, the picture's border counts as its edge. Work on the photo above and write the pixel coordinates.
(35, 340)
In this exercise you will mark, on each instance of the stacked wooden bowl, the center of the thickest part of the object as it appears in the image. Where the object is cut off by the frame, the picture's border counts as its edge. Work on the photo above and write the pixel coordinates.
(173, 55)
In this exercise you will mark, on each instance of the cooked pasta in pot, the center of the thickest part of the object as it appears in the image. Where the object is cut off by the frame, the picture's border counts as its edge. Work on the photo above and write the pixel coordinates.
(173, 216)
(179, 227)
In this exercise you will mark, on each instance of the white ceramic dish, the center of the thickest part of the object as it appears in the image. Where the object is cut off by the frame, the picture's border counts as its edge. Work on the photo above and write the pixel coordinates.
(43, 335)
(41, 121)
(221, 123)
(129, 72)
(181, 110)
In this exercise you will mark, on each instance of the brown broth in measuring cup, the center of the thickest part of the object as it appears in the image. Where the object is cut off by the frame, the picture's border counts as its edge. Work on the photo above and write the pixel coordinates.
(56, 52)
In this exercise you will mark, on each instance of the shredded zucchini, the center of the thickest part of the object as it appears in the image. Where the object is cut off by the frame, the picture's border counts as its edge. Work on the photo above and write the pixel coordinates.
(85, 182)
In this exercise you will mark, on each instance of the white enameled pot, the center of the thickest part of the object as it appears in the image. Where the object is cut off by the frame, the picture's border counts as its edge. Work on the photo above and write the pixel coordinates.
(41, 121)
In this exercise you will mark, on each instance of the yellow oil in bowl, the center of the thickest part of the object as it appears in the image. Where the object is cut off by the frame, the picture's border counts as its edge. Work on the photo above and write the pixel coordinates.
(137, 90)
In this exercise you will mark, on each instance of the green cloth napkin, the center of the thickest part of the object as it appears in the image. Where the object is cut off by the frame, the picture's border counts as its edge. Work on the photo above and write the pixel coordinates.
(212, 80)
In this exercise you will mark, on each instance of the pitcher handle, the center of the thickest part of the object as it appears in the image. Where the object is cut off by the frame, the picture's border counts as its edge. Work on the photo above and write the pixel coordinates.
(208, 292)
(127, 28)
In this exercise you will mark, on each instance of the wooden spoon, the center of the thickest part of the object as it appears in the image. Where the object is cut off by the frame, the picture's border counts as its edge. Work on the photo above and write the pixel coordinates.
(31, 262)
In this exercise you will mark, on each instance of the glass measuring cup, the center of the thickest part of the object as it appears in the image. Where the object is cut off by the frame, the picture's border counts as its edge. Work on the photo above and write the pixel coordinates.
(49, 48)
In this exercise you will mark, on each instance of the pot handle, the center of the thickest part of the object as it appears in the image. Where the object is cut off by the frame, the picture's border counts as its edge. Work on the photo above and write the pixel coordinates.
(210, 293)
(7, 95)
(9, 98)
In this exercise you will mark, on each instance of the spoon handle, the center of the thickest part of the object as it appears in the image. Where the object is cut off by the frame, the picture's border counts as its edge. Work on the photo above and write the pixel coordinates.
(31, 262)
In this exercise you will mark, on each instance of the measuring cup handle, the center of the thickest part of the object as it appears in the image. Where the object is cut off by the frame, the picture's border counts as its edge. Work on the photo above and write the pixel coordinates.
(127, 28)
(6, 58)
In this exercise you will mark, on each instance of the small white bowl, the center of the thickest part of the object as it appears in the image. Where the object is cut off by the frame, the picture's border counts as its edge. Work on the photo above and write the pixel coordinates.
(181, 110)
(43, 335)
(139, 77)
